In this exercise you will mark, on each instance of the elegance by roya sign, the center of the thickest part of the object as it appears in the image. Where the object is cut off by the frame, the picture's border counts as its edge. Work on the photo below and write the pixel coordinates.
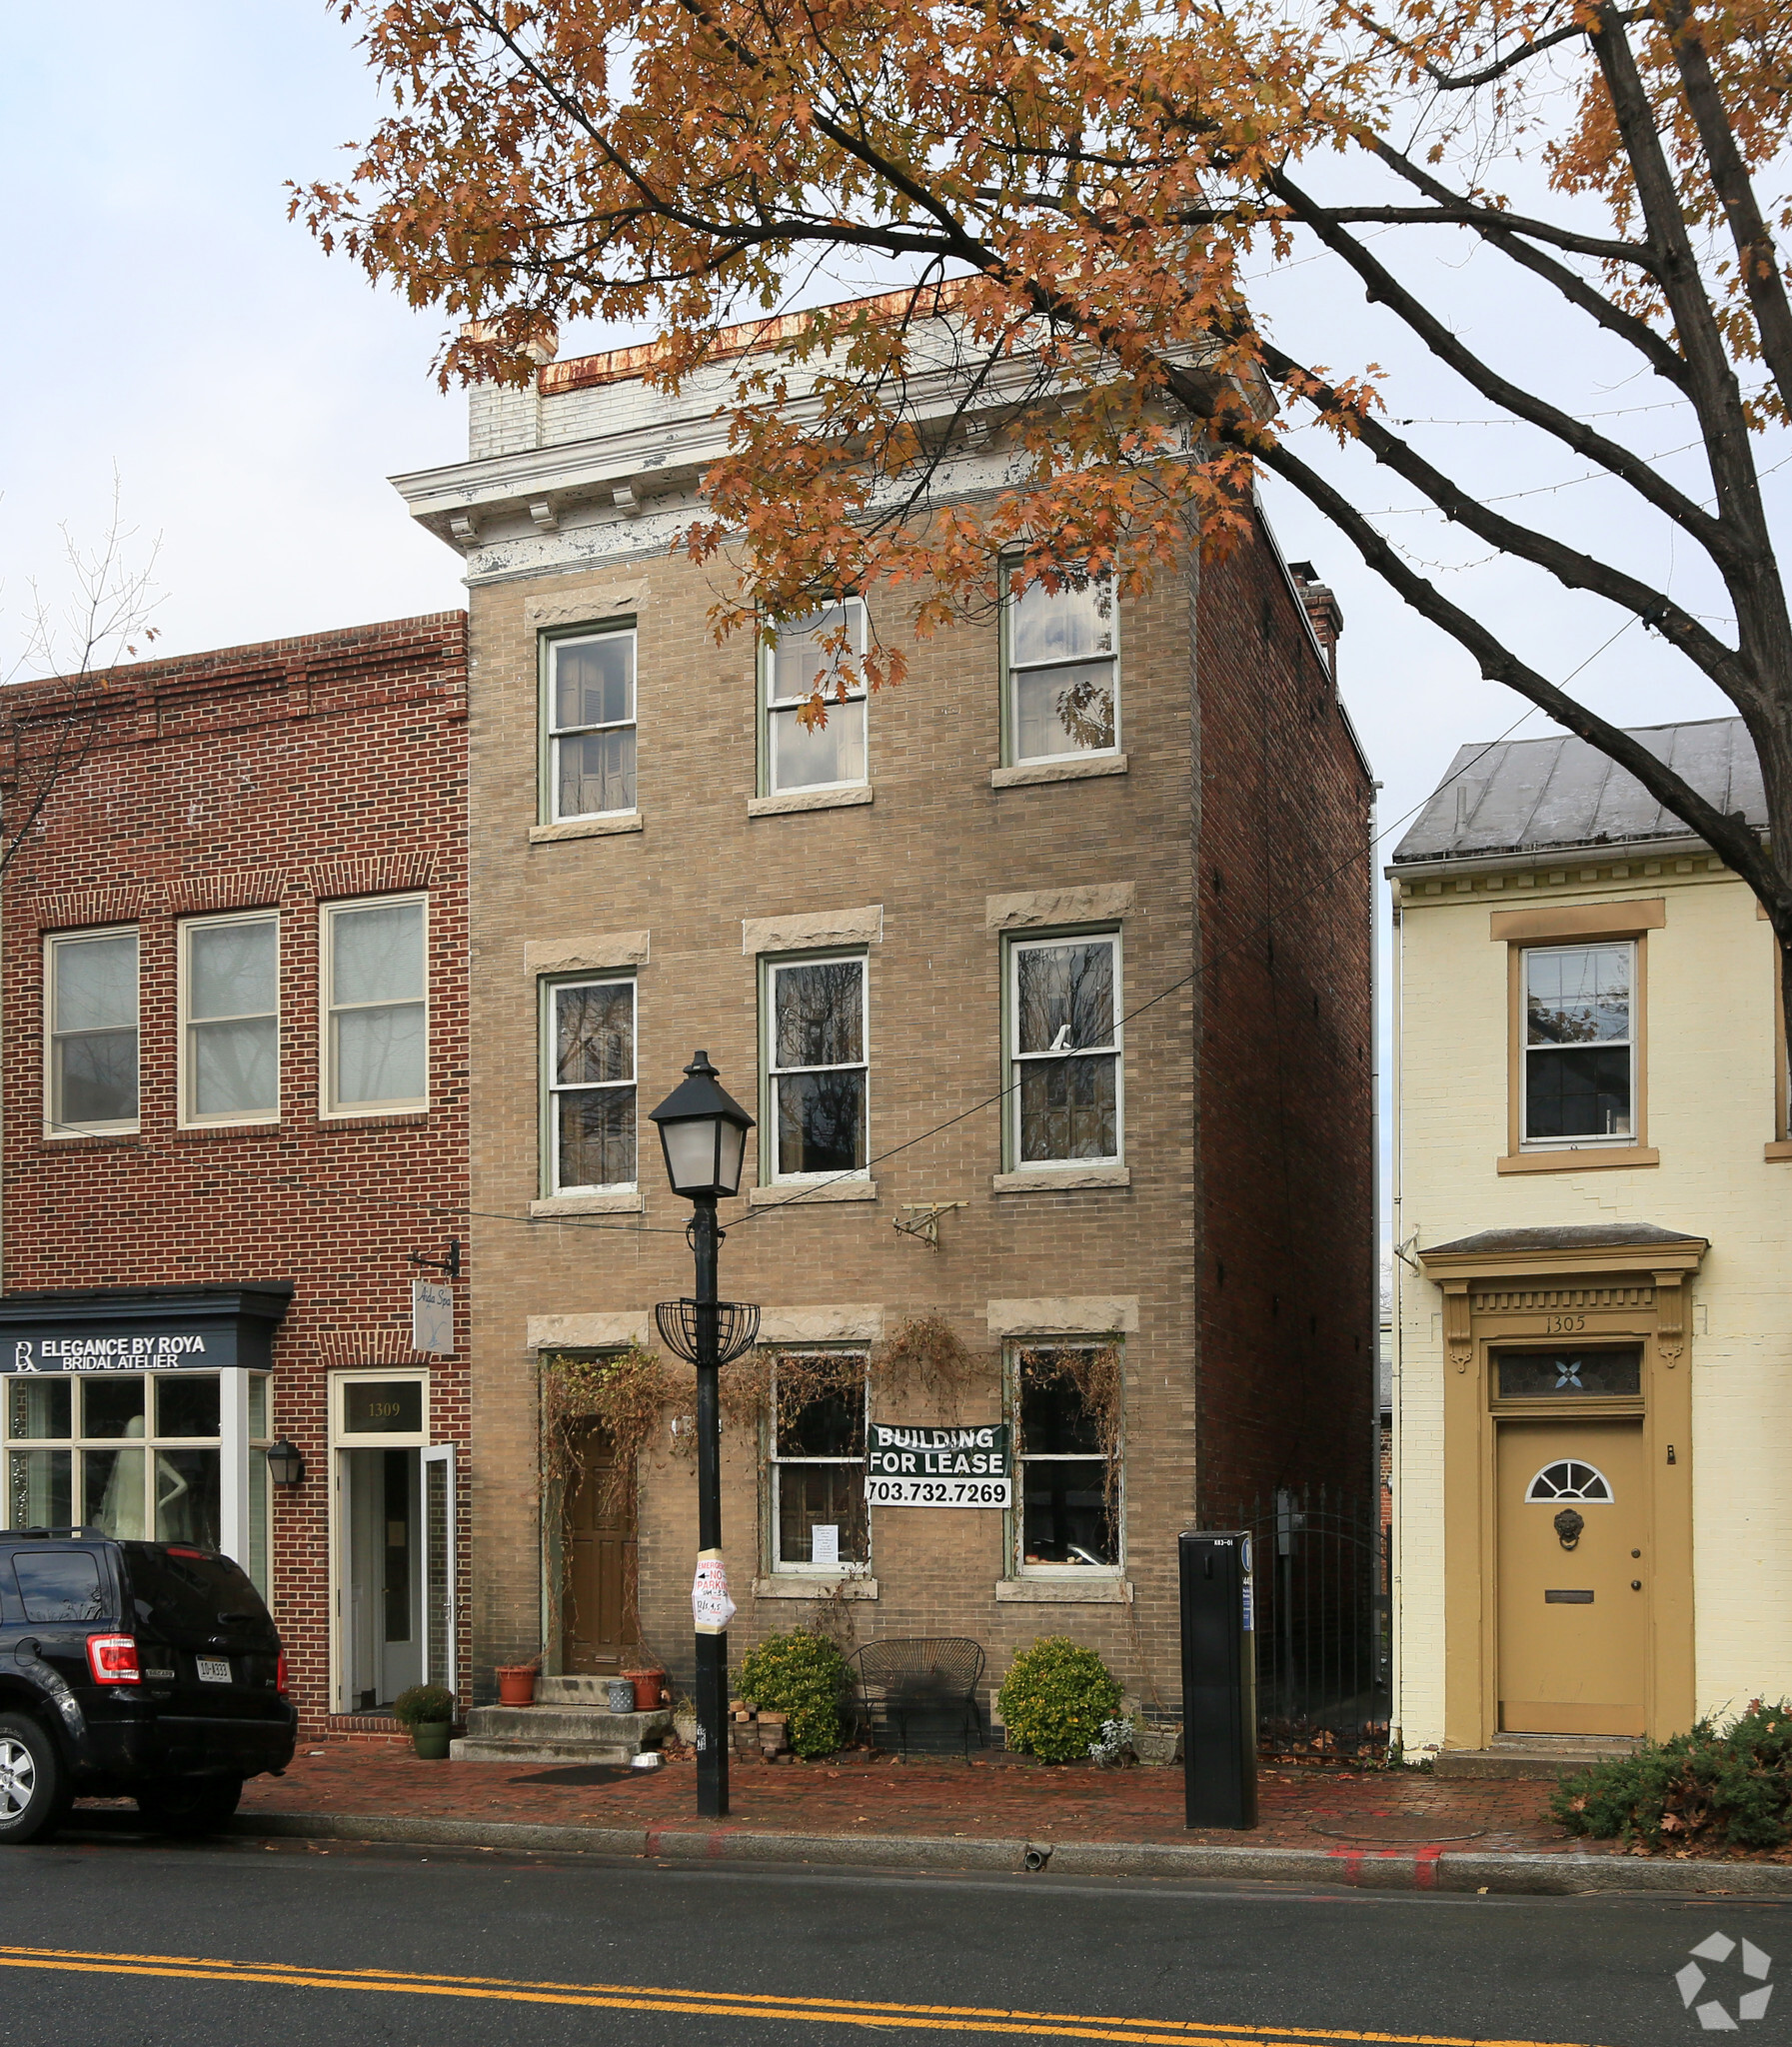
(939, 1467)
(160, 1350)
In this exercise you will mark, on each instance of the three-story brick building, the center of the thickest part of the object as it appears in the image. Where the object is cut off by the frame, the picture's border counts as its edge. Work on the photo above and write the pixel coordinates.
(1056, 1029)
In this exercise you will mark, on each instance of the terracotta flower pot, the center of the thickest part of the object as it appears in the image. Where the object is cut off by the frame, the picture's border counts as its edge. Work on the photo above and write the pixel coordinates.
(430, 1739)
(516, 1684)
(648, 1686)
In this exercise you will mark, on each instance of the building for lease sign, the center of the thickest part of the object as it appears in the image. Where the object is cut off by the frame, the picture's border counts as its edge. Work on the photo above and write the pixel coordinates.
(939, 1467)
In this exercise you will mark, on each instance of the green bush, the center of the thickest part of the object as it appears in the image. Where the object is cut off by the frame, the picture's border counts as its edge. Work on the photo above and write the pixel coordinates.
(1054, 1699)
(802, 1674)
(423, 1705)
(1713, 1788)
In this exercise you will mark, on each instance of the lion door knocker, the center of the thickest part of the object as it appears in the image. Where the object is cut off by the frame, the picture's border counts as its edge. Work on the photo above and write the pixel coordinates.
(1567, 1525)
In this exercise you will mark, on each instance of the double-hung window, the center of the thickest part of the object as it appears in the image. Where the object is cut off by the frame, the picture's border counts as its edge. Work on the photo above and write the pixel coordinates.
(1068, 1479)
(818, 1514)
(802, 663)
(816, 1067)
(591, 724)
(1065, 1085)
(1580, 1053)
(90, 990)
(589, 1059)
(230, 1019)
(375, 1006)
(1061, 660)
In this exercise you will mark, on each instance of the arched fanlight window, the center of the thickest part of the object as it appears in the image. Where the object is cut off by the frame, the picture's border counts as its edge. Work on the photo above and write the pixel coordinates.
(1569, 1478)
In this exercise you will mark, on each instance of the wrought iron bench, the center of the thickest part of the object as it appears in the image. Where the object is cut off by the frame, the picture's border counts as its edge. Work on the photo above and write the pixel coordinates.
(908, 1675)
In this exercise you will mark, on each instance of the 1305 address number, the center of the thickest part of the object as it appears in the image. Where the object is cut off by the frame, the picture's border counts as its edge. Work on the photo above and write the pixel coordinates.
(937, 1492)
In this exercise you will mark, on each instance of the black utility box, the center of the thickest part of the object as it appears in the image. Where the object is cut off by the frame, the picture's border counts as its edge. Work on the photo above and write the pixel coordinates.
(1220, 1679)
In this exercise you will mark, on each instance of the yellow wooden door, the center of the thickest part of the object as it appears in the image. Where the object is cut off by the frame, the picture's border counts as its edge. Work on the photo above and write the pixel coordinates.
(1573, 1620)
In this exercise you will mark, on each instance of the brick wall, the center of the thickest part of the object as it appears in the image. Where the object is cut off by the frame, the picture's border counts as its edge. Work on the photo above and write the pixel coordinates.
(282, 774)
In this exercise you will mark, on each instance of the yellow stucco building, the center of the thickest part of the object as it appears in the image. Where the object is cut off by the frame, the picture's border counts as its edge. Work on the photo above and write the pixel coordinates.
(1593, 1320)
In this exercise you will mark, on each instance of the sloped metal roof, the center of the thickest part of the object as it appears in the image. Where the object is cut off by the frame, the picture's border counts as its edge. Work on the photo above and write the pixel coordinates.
(1522, 796)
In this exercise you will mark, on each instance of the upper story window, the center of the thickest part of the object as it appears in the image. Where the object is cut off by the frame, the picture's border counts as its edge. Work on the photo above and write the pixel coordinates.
(589, 1059)
(1579, 1051)
(1064, 1055)
(230, 1019)
(818, 1514)
(1062, 662)
(816, 1067)
(800, 662)
(91, 1003)
(375, 1006)
(591, 724)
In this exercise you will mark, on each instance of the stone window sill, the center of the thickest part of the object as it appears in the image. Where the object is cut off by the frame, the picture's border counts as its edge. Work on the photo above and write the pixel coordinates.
(1092, 1591)
(584, 828)
(792, 1586)
(1594, 1158)
(200, 1134)
(1776, 1147)
(813, 1194)
(1059, 1180)
(1072, 769)
(611, 1202)
(797, 799)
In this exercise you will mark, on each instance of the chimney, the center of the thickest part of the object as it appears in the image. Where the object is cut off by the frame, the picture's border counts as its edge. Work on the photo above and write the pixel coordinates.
(1323, 610)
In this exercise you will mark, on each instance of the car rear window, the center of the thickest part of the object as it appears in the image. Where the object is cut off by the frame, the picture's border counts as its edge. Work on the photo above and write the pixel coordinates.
(189, 1593)
(60, 1585)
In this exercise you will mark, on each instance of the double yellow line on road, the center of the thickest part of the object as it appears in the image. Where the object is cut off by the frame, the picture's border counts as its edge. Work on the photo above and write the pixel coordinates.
(926, 2018)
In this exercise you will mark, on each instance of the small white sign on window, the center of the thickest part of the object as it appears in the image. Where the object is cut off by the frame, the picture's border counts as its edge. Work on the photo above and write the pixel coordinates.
(432, 1316)
(823, 1542)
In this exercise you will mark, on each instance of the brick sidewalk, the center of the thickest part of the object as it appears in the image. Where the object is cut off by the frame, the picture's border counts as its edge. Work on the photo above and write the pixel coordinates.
(1001, 1796)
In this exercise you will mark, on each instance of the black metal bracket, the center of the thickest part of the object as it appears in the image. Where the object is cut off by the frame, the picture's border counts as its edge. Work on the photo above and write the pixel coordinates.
(450, 1264)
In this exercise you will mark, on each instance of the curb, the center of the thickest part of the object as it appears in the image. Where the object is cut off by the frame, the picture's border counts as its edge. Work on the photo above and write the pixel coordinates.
(1392, 1869)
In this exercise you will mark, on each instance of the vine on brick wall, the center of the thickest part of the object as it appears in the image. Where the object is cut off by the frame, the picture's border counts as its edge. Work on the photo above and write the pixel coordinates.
(625, 1393)
(925, 1353)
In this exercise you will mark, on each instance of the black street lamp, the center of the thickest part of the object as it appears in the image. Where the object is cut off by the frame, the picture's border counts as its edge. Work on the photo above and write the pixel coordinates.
(703, 1132)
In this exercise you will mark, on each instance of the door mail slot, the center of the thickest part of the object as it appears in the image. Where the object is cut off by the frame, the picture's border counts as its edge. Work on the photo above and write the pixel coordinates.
(1567, 1598)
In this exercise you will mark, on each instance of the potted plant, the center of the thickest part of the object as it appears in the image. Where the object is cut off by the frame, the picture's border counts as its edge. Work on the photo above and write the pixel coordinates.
(516, 1682)
(648, 1684)
(428, 1712)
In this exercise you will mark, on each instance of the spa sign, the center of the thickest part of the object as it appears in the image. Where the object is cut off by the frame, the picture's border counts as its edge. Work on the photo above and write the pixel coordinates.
(939, 1467)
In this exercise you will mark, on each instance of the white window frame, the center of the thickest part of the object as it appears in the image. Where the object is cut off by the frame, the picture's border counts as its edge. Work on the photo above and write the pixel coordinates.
(344, 1438)
(1010, 718)
(1016, 1059)
(552, 987)
(118, 1127)
(553, 733)
(771, 1071)
(1532, 1497)
(1074, 1573)
(774, 1464)
(1621, 1139)
(188, 1117)
(405, 1105)
(784, 706)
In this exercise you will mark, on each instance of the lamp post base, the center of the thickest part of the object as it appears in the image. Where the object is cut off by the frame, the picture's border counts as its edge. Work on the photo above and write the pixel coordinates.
(712, 1726)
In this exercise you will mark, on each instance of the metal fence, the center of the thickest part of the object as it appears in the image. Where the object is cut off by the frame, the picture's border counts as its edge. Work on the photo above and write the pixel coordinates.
(1322, 1624)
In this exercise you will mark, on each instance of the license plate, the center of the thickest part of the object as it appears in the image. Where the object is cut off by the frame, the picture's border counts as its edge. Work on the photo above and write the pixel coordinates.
(213, 1669)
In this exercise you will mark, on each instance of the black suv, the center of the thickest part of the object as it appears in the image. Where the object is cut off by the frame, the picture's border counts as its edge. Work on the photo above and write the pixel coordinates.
(146, 1670)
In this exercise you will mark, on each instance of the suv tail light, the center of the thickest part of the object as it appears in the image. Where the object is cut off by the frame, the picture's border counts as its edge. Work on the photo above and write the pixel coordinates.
(113, 1659)
(280, 1683)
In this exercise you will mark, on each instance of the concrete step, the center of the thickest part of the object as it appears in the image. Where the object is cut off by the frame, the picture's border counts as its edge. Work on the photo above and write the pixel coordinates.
(470, 1749)
(573, 1692)
(565, 1726)
(1541, 1757)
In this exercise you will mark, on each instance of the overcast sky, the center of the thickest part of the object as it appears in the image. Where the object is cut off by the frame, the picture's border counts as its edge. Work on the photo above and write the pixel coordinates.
(166, 321)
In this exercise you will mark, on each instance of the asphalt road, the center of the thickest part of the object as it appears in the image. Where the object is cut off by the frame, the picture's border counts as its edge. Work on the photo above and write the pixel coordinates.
(137, 1942)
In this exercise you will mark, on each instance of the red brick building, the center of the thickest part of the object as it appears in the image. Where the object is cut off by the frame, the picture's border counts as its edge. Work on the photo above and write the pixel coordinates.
(235, 1107)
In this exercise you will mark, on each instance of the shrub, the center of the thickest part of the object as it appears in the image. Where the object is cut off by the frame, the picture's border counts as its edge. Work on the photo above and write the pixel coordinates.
(802, 1674)
(1056, 1697)
(1709, 1789)
(422, 1704)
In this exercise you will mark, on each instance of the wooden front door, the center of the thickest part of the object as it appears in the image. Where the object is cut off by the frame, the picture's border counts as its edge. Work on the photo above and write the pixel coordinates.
(1573, 1620)
(597, 1612)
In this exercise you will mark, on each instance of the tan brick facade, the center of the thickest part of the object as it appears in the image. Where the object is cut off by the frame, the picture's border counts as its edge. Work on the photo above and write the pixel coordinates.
(1233, 1251)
